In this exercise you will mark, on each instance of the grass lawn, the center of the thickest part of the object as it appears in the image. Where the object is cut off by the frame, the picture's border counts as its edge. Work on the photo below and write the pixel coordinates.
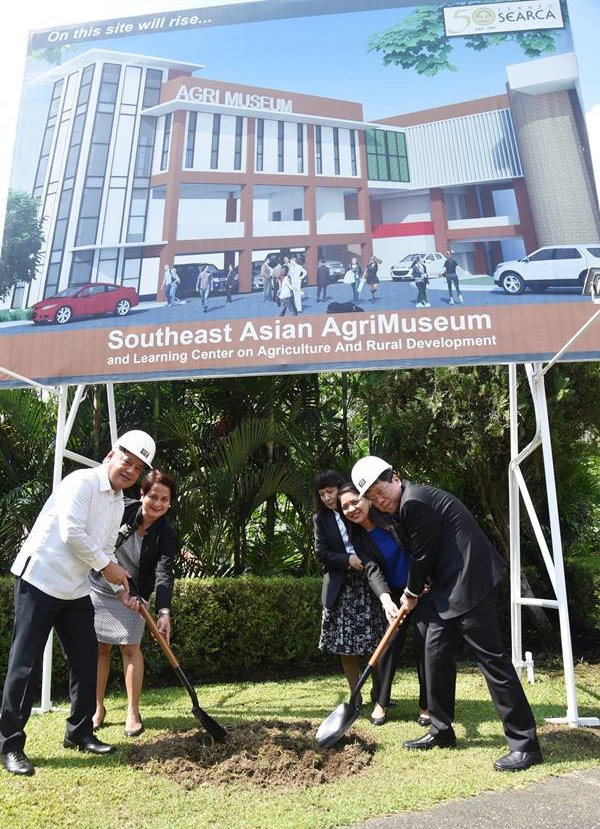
(71, 789)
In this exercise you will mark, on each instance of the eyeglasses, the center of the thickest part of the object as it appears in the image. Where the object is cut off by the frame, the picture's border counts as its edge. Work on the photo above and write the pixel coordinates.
(129, 463)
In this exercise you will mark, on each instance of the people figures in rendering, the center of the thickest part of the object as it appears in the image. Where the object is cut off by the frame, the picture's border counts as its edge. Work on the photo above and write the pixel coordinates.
(380, 553)
(173, 287)
(322, 280)
(229, 282)
(352, 621)
(146, 548)
(370, 276)
(357, 271)
(286, 293)
(203, 286)
(75, 531)
(166, 284)
(446, 545)
(450, 272)
(421, 280)
(276, 280)
(266, 273)
(297, 274)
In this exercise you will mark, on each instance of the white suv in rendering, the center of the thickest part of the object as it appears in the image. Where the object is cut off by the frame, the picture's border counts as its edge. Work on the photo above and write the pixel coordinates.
(548, 267)
(434, 262)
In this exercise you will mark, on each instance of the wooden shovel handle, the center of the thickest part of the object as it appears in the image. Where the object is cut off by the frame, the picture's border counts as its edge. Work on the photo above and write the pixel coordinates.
(384, 641)
(160, 639)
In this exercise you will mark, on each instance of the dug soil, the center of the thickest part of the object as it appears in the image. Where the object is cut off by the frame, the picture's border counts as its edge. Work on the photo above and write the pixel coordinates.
(261, 753)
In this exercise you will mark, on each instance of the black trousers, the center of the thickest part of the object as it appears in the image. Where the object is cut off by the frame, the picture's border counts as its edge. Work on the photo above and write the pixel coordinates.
(388, 663)
(36, 613)
(481, 631)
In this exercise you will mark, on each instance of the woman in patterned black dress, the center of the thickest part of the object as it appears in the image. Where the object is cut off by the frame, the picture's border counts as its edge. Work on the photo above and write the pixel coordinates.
(146, 548)
(352, 619)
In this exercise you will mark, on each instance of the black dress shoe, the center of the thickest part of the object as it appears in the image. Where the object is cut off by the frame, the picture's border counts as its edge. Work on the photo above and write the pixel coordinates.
(447, 740)
(91, 744)
(17, 762)
(424, 721)
(518, 760)
(379, 720)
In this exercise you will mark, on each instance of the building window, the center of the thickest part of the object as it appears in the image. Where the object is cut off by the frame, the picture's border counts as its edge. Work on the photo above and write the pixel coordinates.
(276, 216)
(386, 155)
(145, 148)
(214, 147)
(260, 144)
(237, 152)
(319, 149)
(280, 146)
(190, 142)
(300, 146)
(81, 267)
(152, 88)
(336, 151)
(164, 156)
(353, 163)
(44, 158)
(297, 214)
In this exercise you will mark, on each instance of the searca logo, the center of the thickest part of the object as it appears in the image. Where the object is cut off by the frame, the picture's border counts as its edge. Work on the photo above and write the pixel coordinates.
(483, 16)
(502, 17)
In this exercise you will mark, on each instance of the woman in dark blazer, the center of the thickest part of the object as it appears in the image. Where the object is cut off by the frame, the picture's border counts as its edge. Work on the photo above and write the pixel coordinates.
(352, 620)
(381, 554)
(146, 547)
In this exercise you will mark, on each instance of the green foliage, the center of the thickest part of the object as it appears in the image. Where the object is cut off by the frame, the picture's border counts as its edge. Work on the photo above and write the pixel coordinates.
(420, 42)
(242, 629)
(10, 314)
(23, 238)
(26, 452)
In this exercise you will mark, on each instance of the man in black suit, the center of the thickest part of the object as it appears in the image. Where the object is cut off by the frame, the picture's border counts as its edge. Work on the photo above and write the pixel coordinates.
(447, 546)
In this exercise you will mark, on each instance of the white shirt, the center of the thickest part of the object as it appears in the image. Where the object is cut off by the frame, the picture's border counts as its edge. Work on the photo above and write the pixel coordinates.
(344, 533)
(75, 532)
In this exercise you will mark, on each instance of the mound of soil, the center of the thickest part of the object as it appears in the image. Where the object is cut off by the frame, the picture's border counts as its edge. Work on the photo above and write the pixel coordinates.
(260, 753)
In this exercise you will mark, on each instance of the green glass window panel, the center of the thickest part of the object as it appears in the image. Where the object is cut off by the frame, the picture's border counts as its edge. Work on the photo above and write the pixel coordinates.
(382, 169)
(372, 166)
(395, 169)
(380, 140)
(370, 140)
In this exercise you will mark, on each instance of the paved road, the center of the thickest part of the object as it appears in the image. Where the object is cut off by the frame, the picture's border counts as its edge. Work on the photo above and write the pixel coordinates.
(568, 802)
(393, 296)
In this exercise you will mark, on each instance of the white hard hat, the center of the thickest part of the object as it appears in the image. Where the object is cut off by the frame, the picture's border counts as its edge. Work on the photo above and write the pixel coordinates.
(139, 444)
(366, 471)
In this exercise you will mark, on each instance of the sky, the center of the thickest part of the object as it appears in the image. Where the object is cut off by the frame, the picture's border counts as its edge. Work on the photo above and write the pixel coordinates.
(317, 55)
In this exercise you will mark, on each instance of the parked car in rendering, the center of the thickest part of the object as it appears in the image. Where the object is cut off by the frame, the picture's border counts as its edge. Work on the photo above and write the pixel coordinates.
(336, 269)
(188, 278)
(548, 267)
(434, 262)
(91, 299)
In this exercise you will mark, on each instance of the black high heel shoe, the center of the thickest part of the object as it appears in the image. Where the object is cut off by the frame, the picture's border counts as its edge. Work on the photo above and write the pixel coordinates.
(135, 732)
(102, 718)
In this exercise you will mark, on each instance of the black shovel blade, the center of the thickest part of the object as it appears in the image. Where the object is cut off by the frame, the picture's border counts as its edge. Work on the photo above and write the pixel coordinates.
(212, 726)
(337, 723)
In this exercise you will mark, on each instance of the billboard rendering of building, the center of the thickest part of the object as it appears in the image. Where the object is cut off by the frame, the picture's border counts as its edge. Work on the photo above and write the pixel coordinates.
(142, 162)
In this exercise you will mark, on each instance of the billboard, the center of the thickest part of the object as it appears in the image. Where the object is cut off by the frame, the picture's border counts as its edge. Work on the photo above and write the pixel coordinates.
(281, 187)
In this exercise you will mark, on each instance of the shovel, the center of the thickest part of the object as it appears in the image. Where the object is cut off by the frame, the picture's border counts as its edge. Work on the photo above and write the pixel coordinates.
(340, 720)
(213, 727)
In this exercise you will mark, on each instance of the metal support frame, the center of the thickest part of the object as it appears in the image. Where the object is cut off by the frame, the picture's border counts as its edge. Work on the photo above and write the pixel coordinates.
(65, 419)
(64, 425)
(553, 559)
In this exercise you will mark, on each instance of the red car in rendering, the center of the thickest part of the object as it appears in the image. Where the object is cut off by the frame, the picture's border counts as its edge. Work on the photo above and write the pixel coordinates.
(87, 300)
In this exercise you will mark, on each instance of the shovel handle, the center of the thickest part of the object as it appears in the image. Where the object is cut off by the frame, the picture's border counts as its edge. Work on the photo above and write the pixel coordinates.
(158, 637)
(384, 641)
